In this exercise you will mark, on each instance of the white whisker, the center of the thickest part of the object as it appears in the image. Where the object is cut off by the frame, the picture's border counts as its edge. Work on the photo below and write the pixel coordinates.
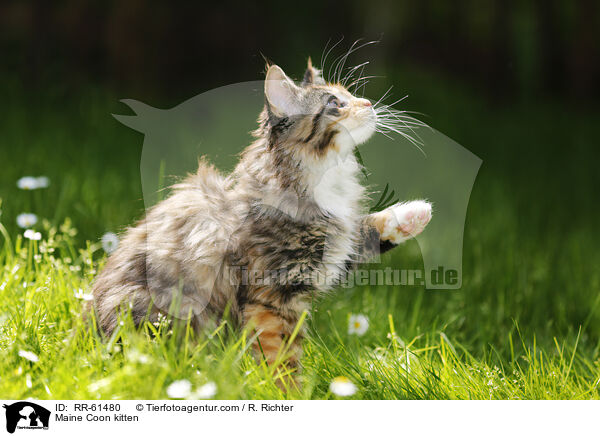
(324, 60)
(352, 71)
(340, 62)
(360, 79)
(383, 96)
(390, 120)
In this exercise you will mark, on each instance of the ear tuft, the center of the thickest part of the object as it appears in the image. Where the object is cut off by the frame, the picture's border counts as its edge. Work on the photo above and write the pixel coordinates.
(281, 92)
(312, 76)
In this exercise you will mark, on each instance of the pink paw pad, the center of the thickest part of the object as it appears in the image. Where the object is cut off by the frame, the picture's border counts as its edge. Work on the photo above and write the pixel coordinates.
(412, 218)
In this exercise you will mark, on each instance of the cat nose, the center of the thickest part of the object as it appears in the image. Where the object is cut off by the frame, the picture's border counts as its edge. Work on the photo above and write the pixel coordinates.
(364, 102)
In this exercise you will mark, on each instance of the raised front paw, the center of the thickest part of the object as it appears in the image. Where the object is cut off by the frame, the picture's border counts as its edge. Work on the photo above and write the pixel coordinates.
(405, 220)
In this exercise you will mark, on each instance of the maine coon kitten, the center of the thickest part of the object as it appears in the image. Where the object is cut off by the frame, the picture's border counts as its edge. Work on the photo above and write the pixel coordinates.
(286, 224)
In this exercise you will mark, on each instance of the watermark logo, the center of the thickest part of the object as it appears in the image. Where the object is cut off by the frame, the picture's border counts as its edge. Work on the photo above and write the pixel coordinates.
(25, 415)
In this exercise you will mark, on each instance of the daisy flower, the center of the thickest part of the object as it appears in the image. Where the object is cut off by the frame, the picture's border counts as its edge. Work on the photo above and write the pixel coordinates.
(358, 325)
(27, 183)
(32, 234)
(208, 390)
(32, 357)
(110, 242)
(83, 296)
(26, 220)
(342, 387)
(179, 389)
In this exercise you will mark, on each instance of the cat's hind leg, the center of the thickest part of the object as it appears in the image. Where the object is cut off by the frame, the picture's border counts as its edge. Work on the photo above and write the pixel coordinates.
(274, 333)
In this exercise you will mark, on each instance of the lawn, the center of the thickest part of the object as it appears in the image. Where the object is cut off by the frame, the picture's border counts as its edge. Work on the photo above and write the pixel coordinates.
(525, 325)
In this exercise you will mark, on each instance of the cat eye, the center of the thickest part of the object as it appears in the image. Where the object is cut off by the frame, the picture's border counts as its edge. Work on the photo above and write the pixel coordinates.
(335, 102)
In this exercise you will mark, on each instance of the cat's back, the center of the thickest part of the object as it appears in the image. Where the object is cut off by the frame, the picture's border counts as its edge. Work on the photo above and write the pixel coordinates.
(197, 221)
(180, 246)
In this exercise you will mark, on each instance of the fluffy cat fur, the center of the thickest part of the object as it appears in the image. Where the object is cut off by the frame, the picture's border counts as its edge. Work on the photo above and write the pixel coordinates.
(293, 205)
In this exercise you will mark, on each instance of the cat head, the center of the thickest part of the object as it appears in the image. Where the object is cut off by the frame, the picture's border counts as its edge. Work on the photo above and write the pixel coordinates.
(314, 116)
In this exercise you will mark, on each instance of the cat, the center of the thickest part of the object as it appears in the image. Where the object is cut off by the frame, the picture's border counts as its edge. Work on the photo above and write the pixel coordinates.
(287, 224)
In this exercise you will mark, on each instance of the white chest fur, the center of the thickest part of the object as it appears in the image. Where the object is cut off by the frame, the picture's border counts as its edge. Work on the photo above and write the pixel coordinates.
(335, 185)
(337, 191)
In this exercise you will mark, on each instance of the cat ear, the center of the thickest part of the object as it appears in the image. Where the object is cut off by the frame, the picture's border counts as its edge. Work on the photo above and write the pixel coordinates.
(281, 92)
(312, 76)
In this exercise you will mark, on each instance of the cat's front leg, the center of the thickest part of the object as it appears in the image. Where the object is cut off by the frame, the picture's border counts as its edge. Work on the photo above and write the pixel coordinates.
(398, 223)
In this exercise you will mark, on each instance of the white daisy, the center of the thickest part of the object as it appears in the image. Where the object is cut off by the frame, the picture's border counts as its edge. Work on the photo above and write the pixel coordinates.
(27, 183)
(32, 234)
(32, 357)
(27, 220)
(42, 182)
(82, 295)
(179, 389)
(205, 391)
(110, 242)
(358, 325)
(342, 387)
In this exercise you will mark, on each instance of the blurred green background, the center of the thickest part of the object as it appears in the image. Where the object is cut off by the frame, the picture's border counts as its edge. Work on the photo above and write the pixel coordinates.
(515, 82)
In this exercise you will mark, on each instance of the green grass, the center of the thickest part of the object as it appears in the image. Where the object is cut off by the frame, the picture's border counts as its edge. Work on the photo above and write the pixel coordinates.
(526, 323)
